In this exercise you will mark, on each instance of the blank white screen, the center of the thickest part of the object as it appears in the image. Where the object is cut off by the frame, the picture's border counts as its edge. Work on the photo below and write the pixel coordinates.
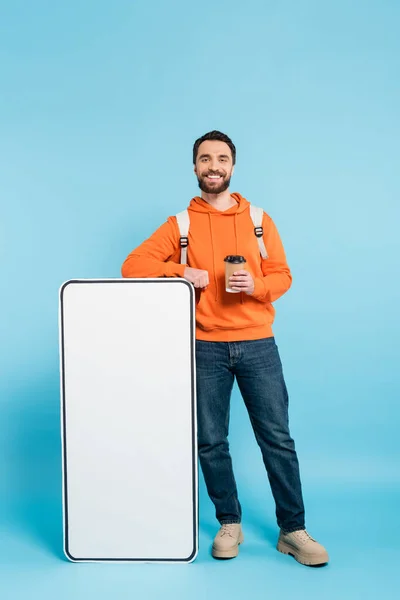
(130, 472)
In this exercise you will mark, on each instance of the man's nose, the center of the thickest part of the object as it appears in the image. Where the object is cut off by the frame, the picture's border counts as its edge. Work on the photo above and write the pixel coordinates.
(214, 164)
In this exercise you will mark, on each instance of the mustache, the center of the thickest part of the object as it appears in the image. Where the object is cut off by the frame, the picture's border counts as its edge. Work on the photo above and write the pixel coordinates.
(214, 173)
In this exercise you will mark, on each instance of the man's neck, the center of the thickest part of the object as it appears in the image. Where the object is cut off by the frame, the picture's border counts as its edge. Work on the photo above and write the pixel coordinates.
(221, 201)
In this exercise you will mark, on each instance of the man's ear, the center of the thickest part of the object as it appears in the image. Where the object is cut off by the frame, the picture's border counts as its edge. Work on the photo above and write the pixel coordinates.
(194, 169)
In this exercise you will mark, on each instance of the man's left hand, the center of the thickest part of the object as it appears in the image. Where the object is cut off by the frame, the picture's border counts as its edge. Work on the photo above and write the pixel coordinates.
(242, 281)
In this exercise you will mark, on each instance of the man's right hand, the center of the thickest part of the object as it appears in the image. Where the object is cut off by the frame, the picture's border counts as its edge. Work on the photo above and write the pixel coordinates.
(198, 277)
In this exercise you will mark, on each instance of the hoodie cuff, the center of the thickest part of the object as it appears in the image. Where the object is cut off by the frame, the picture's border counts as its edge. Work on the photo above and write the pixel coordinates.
(260, 291)
(173, 269)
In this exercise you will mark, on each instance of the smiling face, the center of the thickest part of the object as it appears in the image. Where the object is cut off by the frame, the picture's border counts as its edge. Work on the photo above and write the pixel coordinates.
(214, 166)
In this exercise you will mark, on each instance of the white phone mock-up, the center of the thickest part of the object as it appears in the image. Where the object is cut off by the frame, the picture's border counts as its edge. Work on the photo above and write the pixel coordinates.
(128, 420)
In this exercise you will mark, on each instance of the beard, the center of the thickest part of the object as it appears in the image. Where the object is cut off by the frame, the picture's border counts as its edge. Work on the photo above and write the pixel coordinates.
(210, 188)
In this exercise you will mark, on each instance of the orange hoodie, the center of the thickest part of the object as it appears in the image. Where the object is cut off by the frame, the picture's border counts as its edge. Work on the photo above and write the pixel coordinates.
(220, 316)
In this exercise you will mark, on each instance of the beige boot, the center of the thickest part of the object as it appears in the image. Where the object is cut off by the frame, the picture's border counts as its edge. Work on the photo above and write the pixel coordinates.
(227, 540)
(303, 547)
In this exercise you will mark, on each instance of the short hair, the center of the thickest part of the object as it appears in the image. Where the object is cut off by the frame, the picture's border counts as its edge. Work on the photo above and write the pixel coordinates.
(214, 136)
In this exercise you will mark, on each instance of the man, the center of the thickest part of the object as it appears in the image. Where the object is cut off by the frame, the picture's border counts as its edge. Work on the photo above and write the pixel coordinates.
(234, 339)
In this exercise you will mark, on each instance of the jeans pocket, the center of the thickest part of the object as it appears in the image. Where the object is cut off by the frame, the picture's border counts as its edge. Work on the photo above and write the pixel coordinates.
(269, 354)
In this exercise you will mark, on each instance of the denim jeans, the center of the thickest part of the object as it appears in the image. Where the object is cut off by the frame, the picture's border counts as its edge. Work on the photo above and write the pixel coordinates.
(258, 371)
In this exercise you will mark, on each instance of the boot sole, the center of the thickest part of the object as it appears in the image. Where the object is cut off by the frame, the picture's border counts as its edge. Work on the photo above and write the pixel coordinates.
(310, 560)
(231, 553)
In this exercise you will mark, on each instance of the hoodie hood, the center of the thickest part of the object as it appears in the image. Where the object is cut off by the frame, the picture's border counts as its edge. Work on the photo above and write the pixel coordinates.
(197, 204)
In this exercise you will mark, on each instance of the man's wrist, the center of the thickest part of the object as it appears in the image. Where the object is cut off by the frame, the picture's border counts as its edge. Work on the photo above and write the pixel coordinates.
(173, 269)
(259, 292)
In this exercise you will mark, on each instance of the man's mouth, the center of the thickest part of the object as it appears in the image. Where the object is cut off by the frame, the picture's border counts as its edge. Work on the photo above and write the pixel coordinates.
(214, 177)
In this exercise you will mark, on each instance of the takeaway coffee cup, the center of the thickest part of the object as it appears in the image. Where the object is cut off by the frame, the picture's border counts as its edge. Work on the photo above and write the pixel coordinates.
(233, 263)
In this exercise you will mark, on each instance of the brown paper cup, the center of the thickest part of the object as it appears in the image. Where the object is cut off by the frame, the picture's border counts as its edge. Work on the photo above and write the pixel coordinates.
(233, 263)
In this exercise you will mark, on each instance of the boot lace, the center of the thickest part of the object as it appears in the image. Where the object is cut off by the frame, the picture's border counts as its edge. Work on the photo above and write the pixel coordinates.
(227, 529)
(303, 536)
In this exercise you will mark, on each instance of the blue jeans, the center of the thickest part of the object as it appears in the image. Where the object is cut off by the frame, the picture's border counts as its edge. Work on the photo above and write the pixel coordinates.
(258, 371)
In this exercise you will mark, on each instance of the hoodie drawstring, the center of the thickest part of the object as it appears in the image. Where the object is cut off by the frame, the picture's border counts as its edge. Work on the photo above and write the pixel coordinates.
(213, 253)
(237, 252)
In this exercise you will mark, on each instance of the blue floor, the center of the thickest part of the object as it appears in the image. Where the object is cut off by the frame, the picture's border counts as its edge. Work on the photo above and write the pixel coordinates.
(362, 542)
(351, 507)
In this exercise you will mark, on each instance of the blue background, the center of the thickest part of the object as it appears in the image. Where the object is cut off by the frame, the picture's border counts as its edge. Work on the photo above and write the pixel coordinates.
(100, 104)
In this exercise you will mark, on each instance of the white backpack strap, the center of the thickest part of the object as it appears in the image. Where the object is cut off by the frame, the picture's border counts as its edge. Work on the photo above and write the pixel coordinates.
(257, 215)
(183, 220)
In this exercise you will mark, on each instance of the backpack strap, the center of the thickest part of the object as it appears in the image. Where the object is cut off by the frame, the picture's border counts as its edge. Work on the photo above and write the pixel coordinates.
(257, 215)
(183, 221)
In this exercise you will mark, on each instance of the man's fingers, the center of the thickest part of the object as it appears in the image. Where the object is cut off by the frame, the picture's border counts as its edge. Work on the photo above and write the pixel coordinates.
(239, 281)
(202, 282)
